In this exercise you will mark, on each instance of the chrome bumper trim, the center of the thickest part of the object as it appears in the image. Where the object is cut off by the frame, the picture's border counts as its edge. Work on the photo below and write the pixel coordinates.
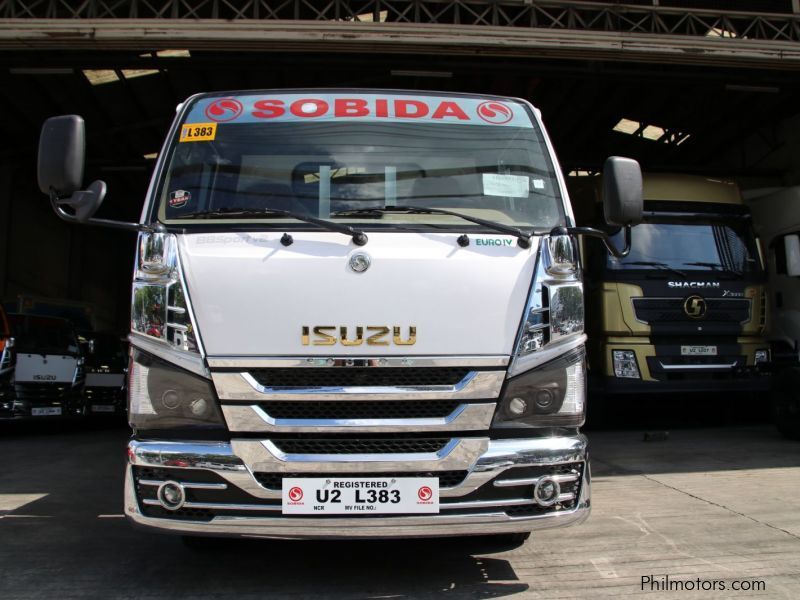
(251, 418)
(566, 478)
(705, 367)
(490, 460)
(476, 385)
(187, 485)
(284, 362)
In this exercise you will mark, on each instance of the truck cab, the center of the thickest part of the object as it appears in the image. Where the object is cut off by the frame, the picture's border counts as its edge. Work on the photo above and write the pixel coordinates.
(776, 214)
(686, 309)
(48, 369)
(105, 365)
(6, 366)
(355, 313)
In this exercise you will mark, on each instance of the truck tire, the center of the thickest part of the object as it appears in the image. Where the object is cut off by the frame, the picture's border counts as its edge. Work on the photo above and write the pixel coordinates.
(785, 399)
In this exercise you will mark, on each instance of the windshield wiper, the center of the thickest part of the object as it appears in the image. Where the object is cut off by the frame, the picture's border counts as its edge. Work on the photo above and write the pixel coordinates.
(715, 267)
(359, 237)
(523, 239)
(656, 264)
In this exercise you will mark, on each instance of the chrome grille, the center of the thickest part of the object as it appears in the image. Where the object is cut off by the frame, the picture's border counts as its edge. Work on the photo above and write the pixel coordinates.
(670, 310)
(359, 377)
(396, 409)
(360, 446)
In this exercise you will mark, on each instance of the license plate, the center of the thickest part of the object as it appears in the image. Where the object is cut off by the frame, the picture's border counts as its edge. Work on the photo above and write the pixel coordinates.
(361, 496)
(105, 408)
(698, 350)
(47, 411)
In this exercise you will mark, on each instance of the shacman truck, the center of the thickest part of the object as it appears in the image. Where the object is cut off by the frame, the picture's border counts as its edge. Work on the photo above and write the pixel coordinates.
(686, 309)
(355, 313)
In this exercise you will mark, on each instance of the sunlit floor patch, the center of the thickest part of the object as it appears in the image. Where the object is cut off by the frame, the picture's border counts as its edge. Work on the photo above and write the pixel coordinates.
(12, 502)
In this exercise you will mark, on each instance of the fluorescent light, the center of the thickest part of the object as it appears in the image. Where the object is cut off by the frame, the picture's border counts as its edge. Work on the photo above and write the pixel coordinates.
(404, 73)
(654, 133)
(41, 71)
(174, 53)
(581, 173)
(763, 89)
(150, 156)
(367, 17)
(100, 76)
(134, 73)
(721, 32)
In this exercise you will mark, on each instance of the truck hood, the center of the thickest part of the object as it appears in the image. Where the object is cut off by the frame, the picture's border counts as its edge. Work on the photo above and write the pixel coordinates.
(252, 296)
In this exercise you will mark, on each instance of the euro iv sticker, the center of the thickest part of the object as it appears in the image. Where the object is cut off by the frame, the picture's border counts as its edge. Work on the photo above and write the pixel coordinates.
(198, 132)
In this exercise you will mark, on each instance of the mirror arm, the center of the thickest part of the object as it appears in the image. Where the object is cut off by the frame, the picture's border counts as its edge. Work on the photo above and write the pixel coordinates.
(603, 236)
(65, 216)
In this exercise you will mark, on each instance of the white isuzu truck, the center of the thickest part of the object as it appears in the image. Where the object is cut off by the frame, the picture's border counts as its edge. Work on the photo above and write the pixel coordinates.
(355, 313)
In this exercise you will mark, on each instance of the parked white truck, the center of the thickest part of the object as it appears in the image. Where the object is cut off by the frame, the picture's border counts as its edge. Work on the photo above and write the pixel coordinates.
(354, 314)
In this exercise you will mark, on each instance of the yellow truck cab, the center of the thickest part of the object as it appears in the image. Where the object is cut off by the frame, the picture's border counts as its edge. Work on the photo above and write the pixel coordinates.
(685, 310)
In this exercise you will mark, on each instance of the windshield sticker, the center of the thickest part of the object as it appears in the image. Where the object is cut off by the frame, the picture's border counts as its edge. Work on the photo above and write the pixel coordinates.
(507, 186)
(179, 198)
(198, 132)
(253, 108)
(538, 184)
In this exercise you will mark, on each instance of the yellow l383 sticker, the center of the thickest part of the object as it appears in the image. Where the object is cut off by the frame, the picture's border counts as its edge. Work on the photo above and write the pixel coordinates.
(198, 132)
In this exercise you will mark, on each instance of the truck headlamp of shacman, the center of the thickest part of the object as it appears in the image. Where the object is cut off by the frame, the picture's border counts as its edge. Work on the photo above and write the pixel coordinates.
(163, 396)
(551, 395)
(625, 365)
(761, 356)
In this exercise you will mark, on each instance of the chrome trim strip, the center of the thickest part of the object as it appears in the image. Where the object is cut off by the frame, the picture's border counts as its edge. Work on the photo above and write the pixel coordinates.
(699, 293)
(266, 362)
(697, 367)
(360, 458)
(563, 497)
(219, 505)
(236, 462)
(187, 485)
(565, 478)
(487, 503)
(477, 385)
(189, 361)
(252, 418)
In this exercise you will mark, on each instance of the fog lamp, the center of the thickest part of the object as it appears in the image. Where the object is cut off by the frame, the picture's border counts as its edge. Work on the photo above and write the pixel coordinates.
(517, 406)
(546, 491)
(171, 495)
(199, 407)
(625, 364)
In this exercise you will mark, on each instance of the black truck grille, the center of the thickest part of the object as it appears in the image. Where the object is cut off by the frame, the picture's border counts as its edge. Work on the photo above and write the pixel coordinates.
(670, 310)
(359, 377)
(43, 392)
(360, 446)
(447, 479)
(403, 409)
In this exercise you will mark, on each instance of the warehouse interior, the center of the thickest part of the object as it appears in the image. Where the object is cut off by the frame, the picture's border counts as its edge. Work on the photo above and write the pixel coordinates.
(707, 92)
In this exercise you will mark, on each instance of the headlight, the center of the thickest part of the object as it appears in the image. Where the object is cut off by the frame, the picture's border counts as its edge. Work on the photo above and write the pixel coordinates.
(554, 312)
(551, 395)
(163, 396)
(761, 356)
(625, 365)
(160, 309)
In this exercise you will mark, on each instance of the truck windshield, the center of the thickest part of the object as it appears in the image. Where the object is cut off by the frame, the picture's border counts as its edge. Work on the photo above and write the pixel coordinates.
(728, 248)
(42, 335)
(323, 154)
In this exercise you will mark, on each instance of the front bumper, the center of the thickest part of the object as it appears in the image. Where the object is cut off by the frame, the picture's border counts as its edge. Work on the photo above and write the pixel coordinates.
(250, 505)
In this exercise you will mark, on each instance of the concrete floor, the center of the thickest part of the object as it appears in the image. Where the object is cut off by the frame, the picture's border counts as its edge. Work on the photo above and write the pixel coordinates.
(718, 503)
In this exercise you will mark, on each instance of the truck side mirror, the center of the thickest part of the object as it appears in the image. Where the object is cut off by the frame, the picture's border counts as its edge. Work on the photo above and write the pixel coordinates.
(791, 244)
(62, 145)
(62, 148)
(622, 191)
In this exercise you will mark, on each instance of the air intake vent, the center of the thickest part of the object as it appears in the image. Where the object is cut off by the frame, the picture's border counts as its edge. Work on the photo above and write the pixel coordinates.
(359, 377)
(361, 446)
(403, 409)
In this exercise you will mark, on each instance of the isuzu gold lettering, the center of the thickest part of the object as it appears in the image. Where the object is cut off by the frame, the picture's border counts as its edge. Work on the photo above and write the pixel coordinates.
(354, 314)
